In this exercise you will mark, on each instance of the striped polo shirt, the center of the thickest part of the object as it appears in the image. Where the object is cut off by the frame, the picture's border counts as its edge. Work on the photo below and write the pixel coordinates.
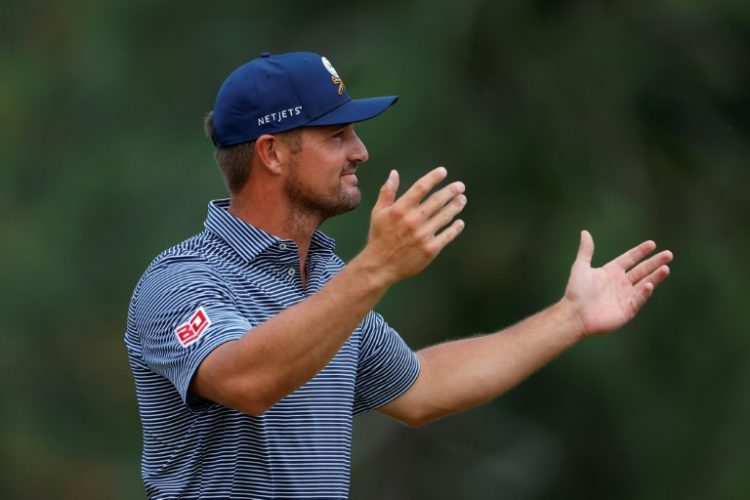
(213, 288)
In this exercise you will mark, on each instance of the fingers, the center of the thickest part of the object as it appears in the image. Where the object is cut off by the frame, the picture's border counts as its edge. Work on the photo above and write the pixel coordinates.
(647, 267)
(446, 214)
(646, 287)
(634, 255)
(656, 277)
(414, 195)
(644, 292)
(439, 209)
(438, 199)
(447, 235)
(585, 248)
(388, 192)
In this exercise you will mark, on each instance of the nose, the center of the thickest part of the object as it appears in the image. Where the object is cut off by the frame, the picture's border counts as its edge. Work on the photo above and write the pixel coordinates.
(358, 152)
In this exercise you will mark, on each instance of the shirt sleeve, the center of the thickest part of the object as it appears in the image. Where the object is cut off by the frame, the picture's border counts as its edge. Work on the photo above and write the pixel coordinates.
(183, 310)
(387, 366)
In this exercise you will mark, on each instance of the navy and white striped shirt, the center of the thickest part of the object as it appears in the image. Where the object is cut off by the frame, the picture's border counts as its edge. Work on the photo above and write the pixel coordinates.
(211, 289)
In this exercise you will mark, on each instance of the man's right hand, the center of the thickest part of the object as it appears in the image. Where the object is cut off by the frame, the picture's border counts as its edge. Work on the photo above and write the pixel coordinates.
(407, 233)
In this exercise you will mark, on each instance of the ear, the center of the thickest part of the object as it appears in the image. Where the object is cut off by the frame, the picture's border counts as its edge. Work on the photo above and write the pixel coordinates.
(271, 152)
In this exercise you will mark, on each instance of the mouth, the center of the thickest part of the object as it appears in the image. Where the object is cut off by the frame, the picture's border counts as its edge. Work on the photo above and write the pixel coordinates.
(350, 176)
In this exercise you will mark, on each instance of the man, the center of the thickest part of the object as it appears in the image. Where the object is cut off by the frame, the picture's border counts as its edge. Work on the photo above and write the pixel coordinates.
(252, 345)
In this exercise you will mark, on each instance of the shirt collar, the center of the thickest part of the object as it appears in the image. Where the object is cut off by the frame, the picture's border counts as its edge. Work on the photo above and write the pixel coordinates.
(248, 240)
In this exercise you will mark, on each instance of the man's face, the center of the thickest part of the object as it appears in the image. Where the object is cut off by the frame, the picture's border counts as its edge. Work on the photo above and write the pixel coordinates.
(321, 176)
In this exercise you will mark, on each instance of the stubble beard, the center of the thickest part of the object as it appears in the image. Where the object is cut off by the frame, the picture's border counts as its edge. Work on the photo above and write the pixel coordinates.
(323, 207)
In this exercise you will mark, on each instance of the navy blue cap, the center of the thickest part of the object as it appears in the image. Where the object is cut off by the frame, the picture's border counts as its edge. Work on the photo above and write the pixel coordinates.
(274, 93)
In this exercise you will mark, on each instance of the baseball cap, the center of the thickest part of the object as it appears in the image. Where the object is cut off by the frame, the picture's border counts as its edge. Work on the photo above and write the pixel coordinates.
(274, 93)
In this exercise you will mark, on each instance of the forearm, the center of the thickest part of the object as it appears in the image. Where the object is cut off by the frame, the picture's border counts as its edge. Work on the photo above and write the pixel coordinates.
(278, 356)
(462, 374)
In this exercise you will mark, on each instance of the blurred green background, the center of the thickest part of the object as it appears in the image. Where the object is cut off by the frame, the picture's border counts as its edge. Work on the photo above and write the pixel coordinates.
(631, 119)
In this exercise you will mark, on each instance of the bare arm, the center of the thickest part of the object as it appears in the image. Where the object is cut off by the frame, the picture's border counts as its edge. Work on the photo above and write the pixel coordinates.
(459, 375)
(273, 359)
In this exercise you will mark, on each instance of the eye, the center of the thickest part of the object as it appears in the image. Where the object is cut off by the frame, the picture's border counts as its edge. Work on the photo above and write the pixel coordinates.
(339, 134)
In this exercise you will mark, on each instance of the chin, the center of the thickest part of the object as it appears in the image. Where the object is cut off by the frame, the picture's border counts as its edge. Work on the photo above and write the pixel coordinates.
(355, 199)
(348, 201)
(349, 194)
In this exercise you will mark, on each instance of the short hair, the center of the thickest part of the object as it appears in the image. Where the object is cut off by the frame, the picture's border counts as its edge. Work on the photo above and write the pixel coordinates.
(234, 161)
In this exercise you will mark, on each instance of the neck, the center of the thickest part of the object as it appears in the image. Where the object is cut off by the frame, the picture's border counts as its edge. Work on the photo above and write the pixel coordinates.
(280, 219)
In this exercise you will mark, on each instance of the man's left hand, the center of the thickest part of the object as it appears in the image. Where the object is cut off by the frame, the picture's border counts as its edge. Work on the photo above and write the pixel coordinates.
(607, 297)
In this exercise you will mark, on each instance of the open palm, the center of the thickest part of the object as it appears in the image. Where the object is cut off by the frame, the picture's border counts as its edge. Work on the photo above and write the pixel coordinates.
(607, 297)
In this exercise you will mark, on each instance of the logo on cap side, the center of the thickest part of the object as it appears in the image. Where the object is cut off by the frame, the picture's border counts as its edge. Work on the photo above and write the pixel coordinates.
(335, 78)
(279, 115)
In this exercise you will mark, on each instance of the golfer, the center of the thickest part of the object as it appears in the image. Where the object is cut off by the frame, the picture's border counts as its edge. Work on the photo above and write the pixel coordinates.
(253, 345)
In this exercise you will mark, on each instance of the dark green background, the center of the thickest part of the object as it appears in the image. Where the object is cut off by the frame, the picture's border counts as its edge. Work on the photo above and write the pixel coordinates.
(629, 118)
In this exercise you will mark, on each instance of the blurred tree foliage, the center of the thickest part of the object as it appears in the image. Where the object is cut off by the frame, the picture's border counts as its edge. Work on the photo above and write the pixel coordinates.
(627, 118)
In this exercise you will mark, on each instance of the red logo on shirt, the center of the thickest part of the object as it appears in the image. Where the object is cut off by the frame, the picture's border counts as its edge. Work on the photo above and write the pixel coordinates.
(194, 328)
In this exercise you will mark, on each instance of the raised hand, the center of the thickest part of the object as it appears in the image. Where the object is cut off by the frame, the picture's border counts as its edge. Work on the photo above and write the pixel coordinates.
(607, 297)
(407, 233)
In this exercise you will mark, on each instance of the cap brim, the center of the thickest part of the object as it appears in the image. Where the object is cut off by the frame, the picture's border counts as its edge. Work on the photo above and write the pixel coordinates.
(356, 110)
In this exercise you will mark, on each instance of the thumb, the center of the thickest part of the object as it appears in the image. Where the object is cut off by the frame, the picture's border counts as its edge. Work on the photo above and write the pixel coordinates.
(586, 248)
(388, 192)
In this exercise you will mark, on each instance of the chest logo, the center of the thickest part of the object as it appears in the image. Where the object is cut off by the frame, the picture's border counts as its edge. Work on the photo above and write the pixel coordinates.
(196, 326)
